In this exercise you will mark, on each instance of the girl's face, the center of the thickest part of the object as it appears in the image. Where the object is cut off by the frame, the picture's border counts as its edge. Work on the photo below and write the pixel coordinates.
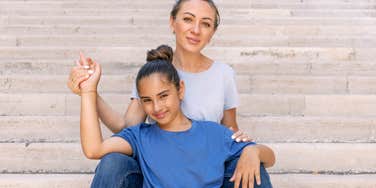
(194, 25)
(160, 98)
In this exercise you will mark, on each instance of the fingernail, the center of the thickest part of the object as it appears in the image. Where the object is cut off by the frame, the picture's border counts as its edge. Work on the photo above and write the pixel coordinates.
(87, 76)
(244, 139)
(232, 137)
(237, 140)
(86, 66)
(90, 71)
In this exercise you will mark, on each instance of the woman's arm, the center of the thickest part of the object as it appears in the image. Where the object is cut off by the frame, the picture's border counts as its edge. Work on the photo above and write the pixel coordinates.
(229, 119)
(115, 121)
(112, 119)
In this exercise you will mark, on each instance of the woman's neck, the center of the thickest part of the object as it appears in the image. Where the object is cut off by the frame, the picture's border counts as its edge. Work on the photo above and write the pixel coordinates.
(178, 124)
(191, 62)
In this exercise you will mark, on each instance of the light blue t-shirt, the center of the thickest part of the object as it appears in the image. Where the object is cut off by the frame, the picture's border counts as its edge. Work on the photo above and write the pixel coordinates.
(191, 158)
(207, 93)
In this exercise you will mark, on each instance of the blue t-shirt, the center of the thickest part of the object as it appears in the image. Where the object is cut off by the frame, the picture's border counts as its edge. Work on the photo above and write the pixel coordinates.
(192, 158)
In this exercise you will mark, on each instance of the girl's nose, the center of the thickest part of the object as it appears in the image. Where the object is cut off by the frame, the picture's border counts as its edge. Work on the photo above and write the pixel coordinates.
(157, 106)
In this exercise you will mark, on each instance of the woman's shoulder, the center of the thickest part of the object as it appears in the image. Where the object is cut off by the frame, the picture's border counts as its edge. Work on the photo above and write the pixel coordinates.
(223, 67)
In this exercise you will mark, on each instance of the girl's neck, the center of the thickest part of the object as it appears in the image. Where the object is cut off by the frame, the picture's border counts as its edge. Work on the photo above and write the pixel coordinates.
(178, 124)
(191, 62)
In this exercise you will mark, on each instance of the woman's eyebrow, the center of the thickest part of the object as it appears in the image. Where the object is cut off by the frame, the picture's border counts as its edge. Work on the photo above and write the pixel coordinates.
(205, 18)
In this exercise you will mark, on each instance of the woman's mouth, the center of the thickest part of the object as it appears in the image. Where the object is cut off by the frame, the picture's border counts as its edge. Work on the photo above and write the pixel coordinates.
(193, 40)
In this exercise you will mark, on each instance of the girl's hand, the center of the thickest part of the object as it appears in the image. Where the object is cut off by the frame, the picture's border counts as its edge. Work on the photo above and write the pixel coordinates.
(90, 83)
(247, 168)
(80, 73)
(240, 136)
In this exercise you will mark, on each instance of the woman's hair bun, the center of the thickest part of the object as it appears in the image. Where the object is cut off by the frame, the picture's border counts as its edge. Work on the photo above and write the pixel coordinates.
(163, 52)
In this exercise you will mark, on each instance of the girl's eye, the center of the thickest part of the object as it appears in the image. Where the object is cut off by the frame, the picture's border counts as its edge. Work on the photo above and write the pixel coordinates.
(146, 100)
(164, 96)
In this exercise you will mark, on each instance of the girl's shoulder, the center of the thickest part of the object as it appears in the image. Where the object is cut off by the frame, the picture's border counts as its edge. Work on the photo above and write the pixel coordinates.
(210, 125)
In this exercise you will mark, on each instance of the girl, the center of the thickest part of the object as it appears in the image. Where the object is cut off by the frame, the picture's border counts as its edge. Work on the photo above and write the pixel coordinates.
(175, 151)
(193, 22)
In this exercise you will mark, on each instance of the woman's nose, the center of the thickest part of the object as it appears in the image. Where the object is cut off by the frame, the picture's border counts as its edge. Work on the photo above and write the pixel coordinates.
(196, 28)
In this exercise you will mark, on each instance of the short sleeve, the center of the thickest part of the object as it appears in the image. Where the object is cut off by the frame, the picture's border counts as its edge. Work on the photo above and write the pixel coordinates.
(129, 135)
(231, 93)
(233, 148)
(134, 94)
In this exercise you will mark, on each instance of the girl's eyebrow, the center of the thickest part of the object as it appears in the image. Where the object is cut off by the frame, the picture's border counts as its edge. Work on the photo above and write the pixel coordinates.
(204, 18)
(161, 93)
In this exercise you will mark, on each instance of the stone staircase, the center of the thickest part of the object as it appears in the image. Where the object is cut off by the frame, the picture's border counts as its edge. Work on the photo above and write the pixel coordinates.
(306, 72)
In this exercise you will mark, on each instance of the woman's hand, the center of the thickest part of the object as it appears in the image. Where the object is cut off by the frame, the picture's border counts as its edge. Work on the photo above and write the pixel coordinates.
(81, 72)
(247, 168)
(240, 136)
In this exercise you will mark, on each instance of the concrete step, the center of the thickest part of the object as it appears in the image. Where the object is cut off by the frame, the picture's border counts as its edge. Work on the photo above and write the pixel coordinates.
(308, 105)
(254, 67)
(148, 40)
(309, 129)
(278, 180)
(223, 54)
(251, 84)
(282, 129)
(45, 180)
(146, 20)
(167, 5)
(216, 1)
(225, 12)
(250, 104)
(223, 30)
(44, 158)
(324, 181)
(312, 158)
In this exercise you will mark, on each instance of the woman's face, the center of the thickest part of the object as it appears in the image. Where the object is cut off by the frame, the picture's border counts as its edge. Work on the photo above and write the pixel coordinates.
(160, 98)
(193, 25)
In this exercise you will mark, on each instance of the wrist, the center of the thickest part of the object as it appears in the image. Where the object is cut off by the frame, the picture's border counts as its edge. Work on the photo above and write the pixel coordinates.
(88, 90)
(253, 149)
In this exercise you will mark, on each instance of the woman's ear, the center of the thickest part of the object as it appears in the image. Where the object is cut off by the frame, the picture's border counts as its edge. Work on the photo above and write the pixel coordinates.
(172, 24)
(181, 90)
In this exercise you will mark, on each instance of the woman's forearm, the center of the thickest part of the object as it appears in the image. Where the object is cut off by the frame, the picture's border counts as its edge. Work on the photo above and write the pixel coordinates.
(90, 132)
(115, 121)
(112, 119)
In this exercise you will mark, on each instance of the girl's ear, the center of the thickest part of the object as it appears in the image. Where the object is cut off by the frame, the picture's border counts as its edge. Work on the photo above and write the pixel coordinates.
(181, 90)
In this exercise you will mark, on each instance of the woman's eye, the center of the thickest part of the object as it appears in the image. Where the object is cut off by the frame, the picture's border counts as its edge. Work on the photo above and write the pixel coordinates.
(187, 19)
(163, 96)
(206, 24)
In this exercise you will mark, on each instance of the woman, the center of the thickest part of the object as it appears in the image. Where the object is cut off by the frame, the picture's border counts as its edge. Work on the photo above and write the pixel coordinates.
(167, 150)
(194, 22)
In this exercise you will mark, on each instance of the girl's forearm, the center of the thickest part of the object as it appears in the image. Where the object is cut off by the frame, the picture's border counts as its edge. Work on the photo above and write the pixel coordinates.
(90, 132)
(265, 154)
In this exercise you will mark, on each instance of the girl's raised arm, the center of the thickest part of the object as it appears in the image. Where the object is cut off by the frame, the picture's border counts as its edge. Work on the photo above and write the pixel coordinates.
(91, 136)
